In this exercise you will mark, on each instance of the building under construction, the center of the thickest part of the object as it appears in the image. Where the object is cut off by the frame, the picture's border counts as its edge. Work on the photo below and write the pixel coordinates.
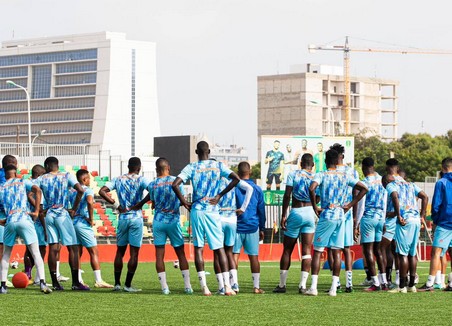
(310, 101)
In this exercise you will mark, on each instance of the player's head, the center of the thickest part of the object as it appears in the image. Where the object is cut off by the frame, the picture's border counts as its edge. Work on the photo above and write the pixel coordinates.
(368, 165)
(276, 144)
(402, 173)
(304, 143)
(51, 164)
(10, 171)
(83, 177)
(202, 149)
(134, 165)
(244, 170)
(162, 166)
(331, 158)
(307, 161)
(288, 148)
(392, 166)
(37, 171)
(387, 179)
(446, 165)
(9, 160)
(339, 149)
(320, 147)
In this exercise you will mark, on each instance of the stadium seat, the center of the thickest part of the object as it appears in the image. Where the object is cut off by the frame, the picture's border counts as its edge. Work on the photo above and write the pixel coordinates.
(23, 171)
(94, 173)
(84, 167)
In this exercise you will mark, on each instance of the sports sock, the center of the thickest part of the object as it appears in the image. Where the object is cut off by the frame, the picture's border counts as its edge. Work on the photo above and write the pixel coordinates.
(37, 278)
(412, 279)
(450, 279)
(118, 277)
(80, 278)
(282, 278)
(397, 277)
(54, 277)
(162, 280)
(186, 277)
(438, 277)
(220, 281)
(256, 280)
(443, 279)
(430, 280)
(28, 271)
(389, 273)
(314, 280)
(233, 276)
(226, 281)
(5, 264)
(58, 268)
(402, 282)
(97, 276)
(74, 274)
(334, 283)
(129, 278)
(383, 278)
(202, 279)
(349, 279)
(303, 280)
(376, 280)
(39, 263)
(368, 276)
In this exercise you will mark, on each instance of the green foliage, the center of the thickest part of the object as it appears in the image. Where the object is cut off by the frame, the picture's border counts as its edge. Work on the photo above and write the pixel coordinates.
(419, 155)
(255, 171)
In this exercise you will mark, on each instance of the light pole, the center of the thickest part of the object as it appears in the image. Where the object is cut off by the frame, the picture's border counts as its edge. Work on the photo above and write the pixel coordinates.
(10, 82)
(42, 132)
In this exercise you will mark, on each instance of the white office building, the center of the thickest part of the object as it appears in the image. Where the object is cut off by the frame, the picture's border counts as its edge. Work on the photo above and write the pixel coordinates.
(97, 88)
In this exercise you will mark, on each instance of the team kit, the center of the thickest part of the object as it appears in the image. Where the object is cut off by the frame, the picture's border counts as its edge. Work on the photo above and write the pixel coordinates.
(330, 211)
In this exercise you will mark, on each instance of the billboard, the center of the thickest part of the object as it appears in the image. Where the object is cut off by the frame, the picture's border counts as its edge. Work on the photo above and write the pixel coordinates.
(282, 154)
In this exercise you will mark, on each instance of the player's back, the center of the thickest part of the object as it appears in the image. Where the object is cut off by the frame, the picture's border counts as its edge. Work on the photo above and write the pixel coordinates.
(248, 221)
(13, 196)
(227, 203)
(55, 188)
(376, 194)
(82, 210)
(407, 192)
(300, 180)
(353, 174)
(165, 200)
(129, 188)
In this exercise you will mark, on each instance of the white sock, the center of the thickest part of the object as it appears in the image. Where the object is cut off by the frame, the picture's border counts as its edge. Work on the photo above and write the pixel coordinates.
(383, 278)
(220, 281)
(334, 283)
(5, 263)
(186, 276)
(349, 279)
(430, 280)
(58, 269)
(314, 279)
(282, 278)
(443, 279)
(162, 280)
(39, 263)
(98, 276)
(450, 279)
(233, 276)
(397, 277)
(37, 279)
(303, 280)
(256, 280)
(226, 281)
(438, 277)
(376, 280)
(80, 276)
(202, 278)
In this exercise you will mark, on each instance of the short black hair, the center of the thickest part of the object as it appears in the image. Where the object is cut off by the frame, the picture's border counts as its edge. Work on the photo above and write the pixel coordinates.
(80, 173)
(368, 162)
(161, 163)
(244, 168)
(37, 170)
(134, 163)
(338, 148)
(392, 162)
(276, 141)
(202, 146)
(7, 160)
(9, 167)
(331, 157)
(447, 163)
(307, 160)
(51, 161)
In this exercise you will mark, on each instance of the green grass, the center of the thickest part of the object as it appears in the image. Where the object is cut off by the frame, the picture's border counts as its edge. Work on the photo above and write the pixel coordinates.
(103, 307)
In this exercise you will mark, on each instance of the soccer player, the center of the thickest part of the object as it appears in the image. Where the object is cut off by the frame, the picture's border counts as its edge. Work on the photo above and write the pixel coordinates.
(299, 153)
(166, 223)
(130, 188)
(229, 213)
(55, 187)
(372, 223)
(83, 221)
(13, 196)
(206, 177)
(36, 172)
(319, 158)
(442, 218)
(330, 229)
(250, 225)
(301, 220)
(403, 196)
(274, 158)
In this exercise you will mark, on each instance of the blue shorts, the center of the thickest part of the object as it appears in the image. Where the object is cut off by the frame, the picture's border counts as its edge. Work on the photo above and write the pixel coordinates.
(407, 237)
(442, 239)
(60, 228)
(229, 228)
(390, 224)
(300, 220)
(163, 230)
(130, 232)
(348, 230)
(85, 234)
(23, 228)
(40, 233)
(2, 230)
(371, 229)
(206, 225)
(249, 242)
(329, 233)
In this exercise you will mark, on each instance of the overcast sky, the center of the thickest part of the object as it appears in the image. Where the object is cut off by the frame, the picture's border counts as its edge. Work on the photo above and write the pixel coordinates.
(209, 53)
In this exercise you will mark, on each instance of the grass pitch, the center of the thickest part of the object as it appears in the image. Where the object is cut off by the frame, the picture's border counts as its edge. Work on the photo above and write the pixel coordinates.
(150, 307)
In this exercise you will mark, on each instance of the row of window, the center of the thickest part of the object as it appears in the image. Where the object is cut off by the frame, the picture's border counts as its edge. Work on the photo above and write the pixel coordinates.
(54, 139)
(18, 81)
(55, 116)
(12, 96)
(88, 78)
(51, 128)
(132, 139)
(75, 91)
(65, 68)
(13, 72)
(42, 79)
(27, 59)
(55, 104)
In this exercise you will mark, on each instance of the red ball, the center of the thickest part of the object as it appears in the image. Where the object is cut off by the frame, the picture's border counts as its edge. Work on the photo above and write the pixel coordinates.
(20, 280)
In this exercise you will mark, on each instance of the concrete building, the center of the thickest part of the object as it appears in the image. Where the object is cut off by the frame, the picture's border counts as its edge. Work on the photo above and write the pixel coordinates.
(230, 155)
(310, 102)
(97, 88)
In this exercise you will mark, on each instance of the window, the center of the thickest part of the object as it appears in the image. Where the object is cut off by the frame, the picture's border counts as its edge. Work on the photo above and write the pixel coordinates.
(27, 59)
(42, 77)
(76, 67)
(14, 72)
(78, 79)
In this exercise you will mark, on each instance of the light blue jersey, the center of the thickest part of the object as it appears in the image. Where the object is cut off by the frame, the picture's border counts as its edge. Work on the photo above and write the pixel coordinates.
(300, 180)
(407, 193)
(227, 202)
(55, 189)
(333, 185)
(376, 194)
(82, 210)
(13, 196)
(206, 178)
(354, 175)
(165, 201)
(389, 204)
(130, 188)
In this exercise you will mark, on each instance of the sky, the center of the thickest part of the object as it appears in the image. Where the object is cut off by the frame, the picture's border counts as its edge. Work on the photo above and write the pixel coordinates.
(210, 52)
